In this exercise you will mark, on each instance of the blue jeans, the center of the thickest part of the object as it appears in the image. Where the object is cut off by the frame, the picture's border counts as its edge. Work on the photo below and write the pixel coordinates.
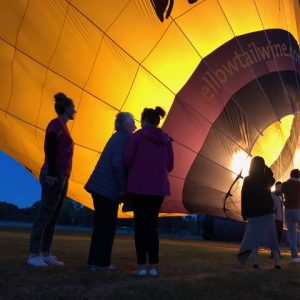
(292, 218)
(44, 224)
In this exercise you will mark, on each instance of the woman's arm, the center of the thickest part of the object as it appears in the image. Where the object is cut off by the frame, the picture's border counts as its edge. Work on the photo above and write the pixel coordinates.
(117, 162)
(170, 151)
(130, 151)
(51, 143)
(270, 180)
(245, 200)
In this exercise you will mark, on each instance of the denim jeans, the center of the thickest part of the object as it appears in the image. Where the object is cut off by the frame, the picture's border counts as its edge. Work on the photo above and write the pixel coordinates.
(44, 224)
(292, 218)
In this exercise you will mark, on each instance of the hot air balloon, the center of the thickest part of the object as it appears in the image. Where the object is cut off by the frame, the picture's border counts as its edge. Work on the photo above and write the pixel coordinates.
(227, 72)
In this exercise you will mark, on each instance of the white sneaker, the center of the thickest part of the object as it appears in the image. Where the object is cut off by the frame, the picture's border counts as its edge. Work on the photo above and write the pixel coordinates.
(296, 260)
(52, 261)
(141, 272)
(153, 272)
(37, 262)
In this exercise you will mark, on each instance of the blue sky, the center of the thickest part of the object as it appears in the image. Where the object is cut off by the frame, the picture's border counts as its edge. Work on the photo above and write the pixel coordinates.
(17, 186)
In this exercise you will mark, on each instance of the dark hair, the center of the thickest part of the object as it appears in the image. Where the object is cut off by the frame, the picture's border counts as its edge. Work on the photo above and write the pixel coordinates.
(153, 115)
(278, 182)
(61, 103)
(295, 173)
(257, 165)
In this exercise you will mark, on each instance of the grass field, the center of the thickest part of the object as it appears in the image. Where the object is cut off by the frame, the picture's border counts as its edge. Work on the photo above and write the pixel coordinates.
(189, 270)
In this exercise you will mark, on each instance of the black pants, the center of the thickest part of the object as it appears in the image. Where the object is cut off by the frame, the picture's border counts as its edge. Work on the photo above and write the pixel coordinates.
(146, 210)
(105, 222)
(279, 229)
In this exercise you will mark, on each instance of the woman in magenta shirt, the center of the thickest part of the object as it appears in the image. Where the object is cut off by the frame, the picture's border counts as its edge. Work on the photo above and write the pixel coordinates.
(54, 178)
(149, 158)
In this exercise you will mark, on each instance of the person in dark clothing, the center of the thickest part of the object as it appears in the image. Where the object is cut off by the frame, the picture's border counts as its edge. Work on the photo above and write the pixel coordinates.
(257, 209)
(107, 185)
(277, 197)
(149, 158)
(54, 178)
(256, 192)
(278, 209)
(291, 191)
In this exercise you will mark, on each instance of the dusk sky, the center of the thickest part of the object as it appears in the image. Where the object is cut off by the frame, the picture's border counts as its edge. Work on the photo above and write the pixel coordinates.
(18, 186)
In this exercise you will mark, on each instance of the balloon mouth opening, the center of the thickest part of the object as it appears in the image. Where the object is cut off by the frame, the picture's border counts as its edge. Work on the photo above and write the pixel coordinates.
(270, 146)
(273, 139)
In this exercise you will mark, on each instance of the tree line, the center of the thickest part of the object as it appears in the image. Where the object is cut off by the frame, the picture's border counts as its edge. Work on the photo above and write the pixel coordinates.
(75, 214)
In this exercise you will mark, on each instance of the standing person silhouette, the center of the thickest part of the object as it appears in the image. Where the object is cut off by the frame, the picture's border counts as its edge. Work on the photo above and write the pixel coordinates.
(277, 197)
(107, 185)
(149, 158)
(291, 191)
(54, 178)
(258, 210)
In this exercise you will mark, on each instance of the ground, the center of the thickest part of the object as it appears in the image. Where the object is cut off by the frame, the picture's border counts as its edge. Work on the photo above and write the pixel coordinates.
(189, 270)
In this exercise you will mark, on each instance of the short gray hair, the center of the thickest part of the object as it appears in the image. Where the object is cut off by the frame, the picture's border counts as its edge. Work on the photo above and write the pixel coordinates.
(122, 120)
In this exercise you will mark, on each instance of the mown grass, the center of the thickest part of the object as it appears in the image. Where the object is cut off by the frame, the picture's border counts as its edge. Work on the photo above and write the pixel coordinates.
(189, 270)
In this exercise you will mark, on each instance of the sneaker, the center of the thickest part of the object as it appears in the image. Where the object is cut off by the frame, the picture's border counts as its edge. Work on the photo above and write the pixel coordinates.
(110, 268)
(142, 272)
(37, 262)
(296, 260)
(52, 261)
(153, 272)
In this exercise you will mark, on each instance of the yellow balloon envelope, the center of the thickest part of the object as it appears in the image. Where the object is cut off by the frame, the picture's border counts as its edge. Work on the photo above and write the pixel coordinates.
(227, 72)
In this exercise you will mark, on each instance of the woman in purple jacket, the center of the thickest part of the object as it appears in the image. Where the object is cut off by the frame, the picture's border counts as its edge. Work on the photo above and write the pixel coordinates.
(149, 158)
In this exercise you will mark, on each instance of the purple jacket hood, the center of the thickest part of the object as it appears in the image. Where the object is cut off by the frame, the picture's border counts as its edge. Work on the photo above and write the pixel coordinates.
(155, 135)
